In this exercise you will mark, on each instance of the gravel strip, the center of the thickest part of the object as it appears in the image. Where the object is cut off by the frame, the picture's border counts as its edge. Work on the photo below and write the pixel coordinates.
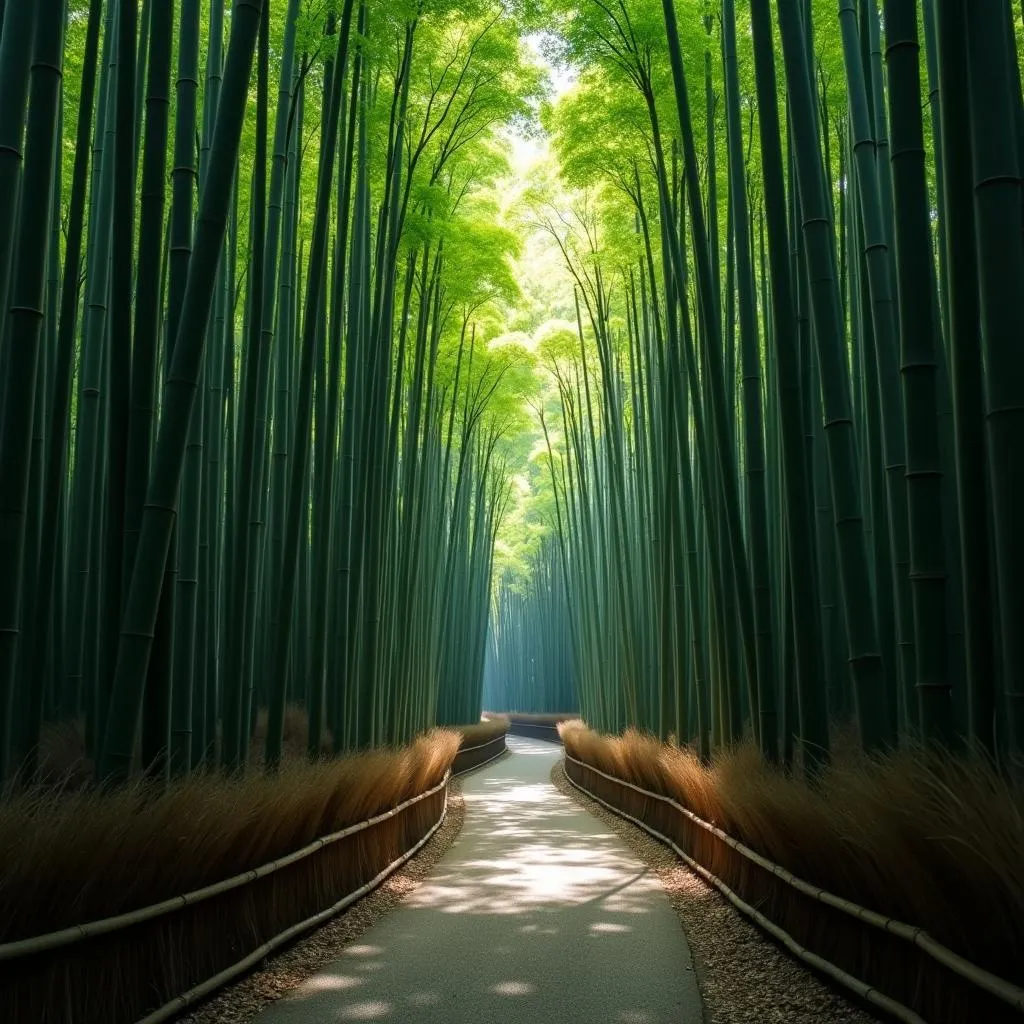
(744, 977)
(241, 1001)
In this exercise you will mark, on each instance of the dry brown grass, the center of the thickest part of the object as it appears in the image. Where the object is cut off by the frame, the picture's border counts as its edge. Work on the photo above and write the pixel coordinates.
(934, 842)
(63, 759)
(480, 743)
(72, 857)
(68, 857)
(296, 731)
(64, 762)
(536, 719)
(483, 731)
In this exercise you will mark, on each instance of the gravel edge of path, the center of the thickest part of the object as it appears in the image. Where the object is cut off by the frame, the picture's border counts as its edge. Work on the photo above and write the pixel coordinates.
(744, 977)
(241, 1001)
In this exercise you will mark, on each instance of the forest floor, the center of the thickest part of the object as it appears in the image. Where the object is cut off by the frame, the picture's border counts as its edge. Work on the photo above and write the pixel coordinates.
(537, 912)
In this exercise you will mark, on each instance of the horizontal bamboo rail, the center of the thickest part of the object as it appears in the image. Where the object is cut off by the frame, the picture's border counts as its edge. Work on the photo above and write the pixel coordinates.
(547, 732)
(63, 966)
(78, 932)
(486, 743)
(54, 942)
(970, 972)
(59, 942)
(200, 991)
(479, 764)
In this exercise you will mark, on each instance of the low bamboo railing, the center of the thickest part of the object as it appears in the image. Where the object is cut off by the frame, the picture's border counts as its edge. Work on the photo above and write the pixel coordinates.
(892, 966)
(149, 964)
(533, 730)
(470, 758)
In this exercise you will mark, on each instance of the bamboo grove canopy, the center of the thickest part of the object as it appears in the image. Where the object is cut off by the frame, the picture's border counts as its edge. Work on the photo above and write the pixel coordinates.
(659, 355)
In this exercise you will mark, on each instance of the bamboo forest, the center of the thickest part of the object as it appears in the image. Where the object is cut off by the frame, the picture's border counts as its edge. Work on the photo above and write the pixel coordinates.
(511, 510)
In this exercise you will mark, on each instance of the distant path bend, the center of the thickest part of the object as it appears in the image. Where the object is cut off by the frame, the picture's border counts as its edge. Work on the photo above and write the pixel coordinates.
(536, 913)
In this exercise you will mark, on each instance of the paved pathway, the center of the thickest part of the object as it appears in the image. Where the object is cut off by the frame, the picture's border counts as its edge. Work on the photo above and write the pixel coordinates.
(537, 913)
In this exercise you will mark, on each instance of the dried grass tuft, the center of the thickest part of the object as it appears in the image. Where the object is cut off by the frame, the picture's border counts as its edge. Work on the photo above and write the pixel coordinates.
(529, 718)
(933, 841)
(296, 732)
(483, 731)
(72, 857)
(69, 857)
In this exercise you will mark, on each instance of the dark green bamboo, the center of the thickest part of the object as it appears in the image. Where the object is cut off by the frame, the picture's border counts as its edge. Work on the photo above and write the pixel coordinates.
(179, 396)
(866, 662)
(247, 484)
(23, 327)
(48, 609)
(15, 62)
(297, 483)
(185, 690)
(752, 417)
(119, 358)
(712, 349)
(966, 365)
(993, 100)
(919, 338)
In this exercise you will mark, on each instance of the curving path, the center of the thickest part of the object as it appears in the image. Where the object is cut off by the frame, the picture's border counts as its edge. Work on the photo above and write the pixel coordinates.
(537, 913)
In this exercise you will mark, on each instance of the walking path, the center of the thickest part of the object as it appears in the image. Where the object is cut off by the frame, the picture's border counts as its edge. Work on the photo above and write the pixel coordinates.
(537, 913)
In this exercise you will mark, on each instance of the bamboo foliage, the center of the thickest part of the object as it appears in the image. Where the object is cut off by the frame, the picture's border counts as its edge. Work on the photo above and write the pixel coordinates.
(265, 440)
(766, 366)
(249, 451)
(23, 338)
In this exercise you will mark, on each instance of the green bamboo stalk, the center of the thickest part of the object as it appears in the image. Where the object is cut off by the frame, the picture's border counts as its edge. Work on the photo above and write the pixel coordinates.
(56, 482)
(914, 268)
(297, 503)
(993, 100)
(752, 417)
(712, 349)
(884, 335)
(179, 396)
(87, 496)
(185, 689)
(966, 365)
(23, 326)
(119, 360)
(15, 63)
(866, 662)
(247, 485)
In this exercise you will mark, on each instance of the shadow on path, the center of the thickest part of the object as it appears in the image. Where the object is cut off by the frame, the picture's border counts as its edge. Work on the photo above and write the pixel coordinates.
(536, 913)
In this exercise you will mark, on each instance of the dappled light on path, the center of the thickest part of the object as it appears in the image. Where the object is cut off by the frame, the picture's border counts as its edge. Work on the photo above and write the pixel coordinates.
(537, 912)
